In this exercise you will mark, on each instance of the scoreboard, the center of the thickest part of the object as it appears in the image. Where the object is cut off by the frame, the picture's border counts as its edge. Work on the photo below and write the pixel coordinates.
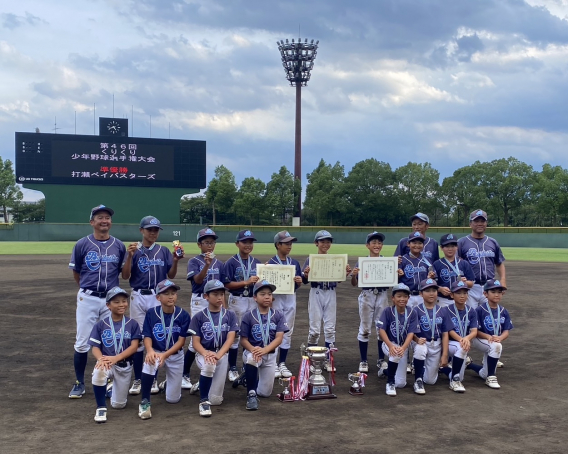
(109, 161)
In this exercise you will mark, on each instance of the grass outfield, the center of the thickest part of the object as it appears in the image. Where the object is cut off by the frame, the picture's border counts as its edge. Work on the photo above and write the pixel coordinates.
(354, 250)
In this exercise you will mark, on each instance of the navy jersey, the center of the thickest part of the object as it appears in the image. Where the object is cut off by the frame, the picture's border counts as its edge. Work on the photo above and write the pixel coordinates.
(425, 318)
(194, 267)
(494, 322)
(101, 335)
(201, 326)
(430, 251)
(328, 285)
(415, 271)
(482, 254)
(446, 272)
(251, 330)
(407, 323)
(234, 272)
(462, 322)
(97, 262)
(150, 266)
(289, 261)
(154, 329)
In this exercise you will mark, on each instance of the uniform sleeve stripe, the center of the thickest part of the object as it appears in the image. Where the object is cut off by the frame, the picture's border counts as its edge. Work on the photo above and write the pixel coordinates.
(95, 341)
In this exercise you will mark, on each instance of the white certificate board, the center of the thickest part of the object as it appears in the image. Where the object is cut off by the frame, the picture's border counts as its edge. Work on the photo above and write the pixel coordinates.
(327, 267)
(282, 276)
(378, 271)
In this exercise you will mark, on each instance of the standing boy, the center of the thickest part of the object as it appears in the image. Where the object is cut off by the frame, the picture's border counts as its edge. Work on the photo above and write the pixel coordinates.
(96, 261)
(147, 263)
(372, 302)
(322, 301)
(420, 223)
(450, 269)
(239, 276)
(214, 331)
(494, 326)
(398, 324)
(164, 332)
(483, 254)
(285, 303)
(262, 331)
(201, 269)
(461, 322)
(414, 268)
(114, 341)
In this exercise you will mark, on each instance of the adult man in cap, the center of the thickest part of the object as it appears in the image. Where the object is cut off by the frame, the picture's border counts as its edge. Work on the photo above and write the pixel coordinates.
(96, 262)
(484, 256)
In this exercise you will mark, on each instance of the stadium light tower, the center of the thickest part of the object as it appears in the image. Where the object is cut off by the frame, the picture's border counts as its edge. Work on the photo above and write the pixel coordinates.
(298, 61)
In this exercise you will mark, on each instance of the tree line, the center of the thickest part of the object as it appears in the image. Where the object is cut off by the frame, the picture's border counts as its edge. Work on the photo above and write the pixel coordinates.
(372, 193)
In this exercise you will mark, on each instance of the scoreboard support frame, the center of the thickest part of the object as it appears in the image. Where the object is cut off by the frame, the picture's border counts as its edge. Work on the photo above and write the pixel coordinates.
(72, 203)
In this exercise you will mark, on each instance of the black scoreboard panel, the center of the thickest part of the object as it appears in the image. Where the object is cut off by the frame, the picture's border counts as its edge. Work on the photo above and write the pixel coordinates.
(109, 161)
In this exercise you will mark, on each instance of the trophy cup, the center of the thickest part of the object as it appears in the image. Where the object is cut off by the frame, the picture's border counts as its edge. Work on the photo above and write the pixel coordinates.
(318, 388)
(358, 383)
(178, 248)
(286, 395)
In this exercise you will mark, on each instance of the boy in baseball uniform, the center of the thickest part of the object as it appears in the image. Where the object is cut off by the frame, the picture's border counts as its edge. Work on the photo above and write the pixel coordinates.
(214, 331)
(113, 340)
(420, 223)
(165, 328)
(262, 331)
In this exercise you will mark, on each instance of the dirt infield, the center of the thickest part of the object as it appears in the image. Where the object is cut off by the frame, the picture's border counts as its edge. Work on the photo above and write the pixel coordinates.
(528, 414)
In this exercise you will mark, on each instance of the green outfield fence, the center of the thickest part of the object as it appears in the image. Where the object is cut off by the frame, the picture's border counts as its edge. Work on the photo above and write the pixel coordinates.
(534, 237)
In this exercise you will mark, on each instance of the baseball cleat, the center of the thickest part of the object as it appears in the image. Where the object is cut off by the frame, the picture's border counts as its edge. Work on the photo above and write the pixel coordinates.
(194, 388)
(144, 410)
(492, 382)
(391, 390)
(277, 373)
(408, 368)
(162, 386)
(185, 382)
(468, 361)
(241, 380)
(383, 366)
(252, 402)
(364, 366)
(456, 386)
(77, 391)
(284, 371)
(233, 373)
(109, 389)
(205, 409)
(101, 415)
(500, 364)
(419, 387)
(136, 388)
(155, 389)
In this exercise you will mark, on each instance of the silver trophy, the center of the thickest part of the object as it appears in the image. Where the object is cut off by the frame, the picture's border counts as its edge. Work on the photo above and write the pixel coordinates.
(318, 388)
(357, 386)
(286, 395)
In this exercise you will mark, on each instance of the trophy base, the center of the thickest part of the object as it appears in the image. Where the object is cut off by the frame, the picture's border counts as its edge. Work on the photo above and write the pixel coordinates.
(285, 397)
(316, 392)
(355, 391)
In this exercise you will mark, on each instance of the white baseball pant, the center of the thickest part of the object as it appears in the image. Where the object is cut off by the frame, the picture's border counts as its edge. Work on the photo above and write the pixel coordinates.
(475, 296)
(90, 309)
(400, 377)
(266, 367)
(198, 304)
(493, 349)
(454, 349)
(371, 307)
(120, 384)
(430, 353)
(414, 301)
(139, 305)
(218, 372)
(174, 372)
(322, 305)
(444, 302)
(286, 304)
(240, 305)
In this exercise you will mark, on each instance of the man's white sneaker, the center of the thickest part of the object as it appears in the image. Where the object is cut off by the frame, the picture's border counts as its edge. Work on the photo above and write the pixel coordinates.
(155, 388)
(364, 366)
(492, 382)
(499, 364)
(391, 390)
(194, 388)
(136, 388)
(101, 415)
(419, 387)
(205, 409)
(144, 410)
(456, 386)
(233, 373)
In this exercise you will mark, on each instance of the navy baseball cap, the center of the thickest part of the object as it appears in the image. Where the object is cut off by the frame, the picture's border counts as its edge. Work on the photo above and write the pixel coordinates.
(100, 208)
(416, 236)
(149, 222)
(427, 283)
(458, 285)
(493, 283)
(323, 235)
(213, 285)
(244, 235)
(400, 288)
(262, 284)
(421, 216)
(114, 292)
(477, 214)
(284, 237)
(206, 232)
(449, 238)
(164, 285)
(375, 235)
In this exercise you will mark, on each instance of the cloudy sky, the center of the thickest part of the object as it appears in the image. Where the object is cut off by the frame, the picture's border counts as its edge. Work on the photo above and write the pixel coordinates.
(442, 81)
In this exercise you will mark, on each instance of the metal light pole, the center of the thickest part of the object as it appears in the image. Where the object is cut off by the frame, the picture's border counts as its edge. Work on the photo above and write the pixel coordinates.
(298, 60)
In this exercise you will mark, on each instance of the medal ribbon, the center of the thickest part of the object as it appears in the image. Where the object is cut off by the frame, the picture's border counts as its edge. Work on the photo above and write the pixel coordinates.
(117, 348)
(264, 329)
(455, 269)
(288, 260)
(462, 328)
(246, 274)
(398, 325)
(496, 323)
(432, 323)
(169, 335)
(216, 329)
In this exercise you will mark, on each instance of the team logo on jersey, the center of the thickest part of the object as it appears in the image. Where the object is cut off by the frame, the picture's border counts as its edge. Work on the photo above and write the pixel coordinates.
(456, 324)
(473, 255)
(401, 332)
(427, 254)
(425, 324)
(257, 333)
(160, 333)
(92, 260)
(208, 332)
(239, 275)
(106, 337)
(445, 275)
(144, 263)
(488, 324)
(410, 270)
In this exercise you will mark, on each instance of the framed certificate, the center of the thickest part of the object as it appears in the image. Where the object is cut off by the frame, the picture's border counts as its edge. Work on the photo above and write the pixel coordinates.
(327, 267)
(378, 271)
(282, 276)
